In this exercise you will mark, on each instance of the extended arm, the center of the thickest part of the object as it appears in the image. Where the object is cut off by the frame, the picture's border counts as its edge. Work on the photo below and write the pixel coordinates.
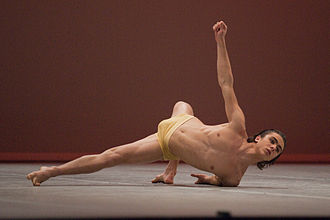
(225, 79)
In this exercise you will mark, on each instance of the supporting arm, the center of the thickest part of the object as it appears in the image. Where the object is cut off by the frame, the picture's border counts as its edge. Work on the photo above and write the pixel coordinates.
(168, 175)
(215, 180)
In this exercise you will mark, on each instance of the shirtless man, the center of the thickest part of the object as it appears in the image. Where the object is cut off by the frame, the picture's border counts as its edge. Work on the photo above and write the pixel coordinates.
(224, 150)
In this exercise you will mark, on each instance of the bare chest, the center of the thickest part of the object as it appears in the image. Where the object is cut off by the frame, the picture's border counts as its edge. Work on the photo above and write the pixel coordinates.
(209, 148)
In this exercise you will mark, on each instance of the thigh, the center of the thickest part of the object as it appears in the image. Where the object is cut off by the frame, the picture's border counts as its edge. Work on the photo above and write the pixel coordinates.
(142, 151)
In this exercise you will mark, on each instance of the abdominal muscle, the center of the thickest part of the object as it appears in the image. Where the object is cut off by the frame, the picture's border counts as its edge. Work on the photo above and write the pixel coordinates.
(207, 148)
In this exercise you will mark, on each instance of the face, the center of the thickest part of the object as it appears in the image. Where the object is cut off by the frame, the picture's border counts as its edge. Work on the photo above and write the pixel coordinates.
(270, 145)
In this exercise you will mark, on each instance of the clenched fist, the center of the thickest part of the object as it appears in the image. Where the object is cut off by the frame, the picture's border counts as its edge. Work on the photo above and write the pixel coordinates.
(220, 30)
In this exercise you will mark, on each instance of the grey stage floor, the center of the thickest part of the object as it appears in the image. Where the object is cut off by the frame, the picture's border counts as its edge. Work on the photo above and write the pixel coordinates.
(127, 191)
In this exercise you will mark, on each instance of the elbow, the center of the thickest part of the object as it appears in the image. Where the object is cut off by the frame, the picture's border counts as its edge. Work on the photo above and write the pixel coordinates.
(231, 183)
(226, 82)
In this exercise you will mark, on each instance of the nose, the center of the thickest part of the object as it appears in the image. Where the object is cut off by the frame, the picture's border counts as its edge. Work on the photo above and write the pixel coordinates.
(272, 147)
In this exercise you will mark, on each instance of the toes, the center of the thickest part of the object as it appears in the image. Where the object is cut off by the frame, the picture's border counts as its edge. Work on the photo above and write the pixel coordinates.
(33, 177)
(34, 180)
(30, 176)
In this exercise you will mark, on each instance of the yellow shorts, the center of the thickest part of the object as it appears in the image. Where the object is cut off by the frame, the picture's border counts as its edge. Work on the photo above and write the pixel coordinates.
(165, 131)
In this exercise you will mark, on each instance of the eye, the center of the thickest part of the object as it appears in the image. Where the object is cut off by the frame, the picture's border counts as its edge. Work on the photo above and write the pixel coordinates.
(272, 141)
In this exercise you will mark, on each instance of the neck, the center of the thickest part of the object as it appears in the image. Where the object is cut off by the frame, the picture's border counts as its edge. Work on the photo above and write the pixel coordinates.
(249, 154)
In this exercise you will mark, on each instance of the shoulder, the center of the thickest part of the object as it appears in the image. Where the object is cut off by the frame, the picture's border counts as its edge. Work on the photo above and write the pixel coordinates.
(238, 128)
(237, 131)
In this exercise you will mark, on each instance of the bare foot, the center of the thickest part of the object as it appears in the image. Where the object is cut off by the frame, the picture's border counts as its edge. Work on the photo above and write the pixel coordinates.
(40, 176)
(165, 177)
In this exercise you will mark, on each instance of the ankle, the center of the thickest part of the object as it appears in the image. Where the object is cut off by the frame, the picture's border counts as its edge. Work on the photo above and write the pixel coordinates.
(54, 171)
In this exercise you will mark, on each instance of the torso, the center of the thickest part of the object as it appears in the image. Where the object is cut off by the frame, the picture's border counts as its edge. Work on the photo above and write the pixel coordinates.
(209, 148)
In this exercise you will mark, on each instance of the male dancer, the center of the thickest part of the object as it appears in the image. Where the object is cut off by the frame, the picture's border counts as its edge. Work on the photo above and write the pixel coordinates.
(224, 150)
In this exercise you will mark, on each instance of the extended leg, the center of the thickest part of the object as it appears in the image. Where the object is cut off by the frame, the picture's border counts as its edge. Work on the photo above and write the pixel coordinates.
(142, 151)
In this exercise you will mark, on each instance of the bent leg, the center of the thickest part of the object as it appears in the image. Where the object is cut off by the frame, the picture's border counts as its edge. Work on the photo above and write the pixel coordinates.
(168, 175)
(142, 151)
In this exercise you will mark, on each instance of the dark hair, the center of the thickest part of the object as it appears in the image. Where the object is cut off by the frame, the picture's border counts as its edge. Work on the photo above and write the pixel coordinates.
(262, 164)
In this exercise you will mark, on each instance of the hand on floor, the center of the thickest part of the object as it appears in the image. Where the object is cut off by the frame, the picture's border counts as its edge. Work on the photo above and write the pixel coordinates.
(167, 178)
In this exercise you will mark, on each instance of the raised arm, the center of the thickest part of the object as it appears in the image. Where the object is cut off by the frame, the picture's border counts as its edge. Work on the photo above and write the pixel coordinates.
(225, 79)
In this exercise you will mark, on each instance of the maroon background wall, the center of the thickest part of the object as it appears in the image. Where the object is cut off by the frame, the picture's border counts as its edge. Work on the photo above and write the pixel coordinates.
(82, 76)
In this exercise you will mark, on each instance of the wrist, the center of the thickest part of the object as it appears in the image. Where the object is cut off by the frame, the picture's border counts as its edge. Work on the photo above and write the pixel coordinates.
(215, 180)
(221, 42)
(171, 168)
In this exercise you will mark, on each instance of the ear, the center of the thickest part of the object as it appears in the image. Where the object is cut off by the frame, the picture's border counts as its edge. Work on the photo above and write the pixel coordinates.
(257, 139)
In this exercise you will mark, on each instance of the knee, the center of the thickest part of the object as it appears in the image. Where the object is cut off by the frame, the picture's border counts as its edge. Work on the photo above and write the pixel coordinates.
(185, 106)
(182, 104)
(178, 103)
(111, 157)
